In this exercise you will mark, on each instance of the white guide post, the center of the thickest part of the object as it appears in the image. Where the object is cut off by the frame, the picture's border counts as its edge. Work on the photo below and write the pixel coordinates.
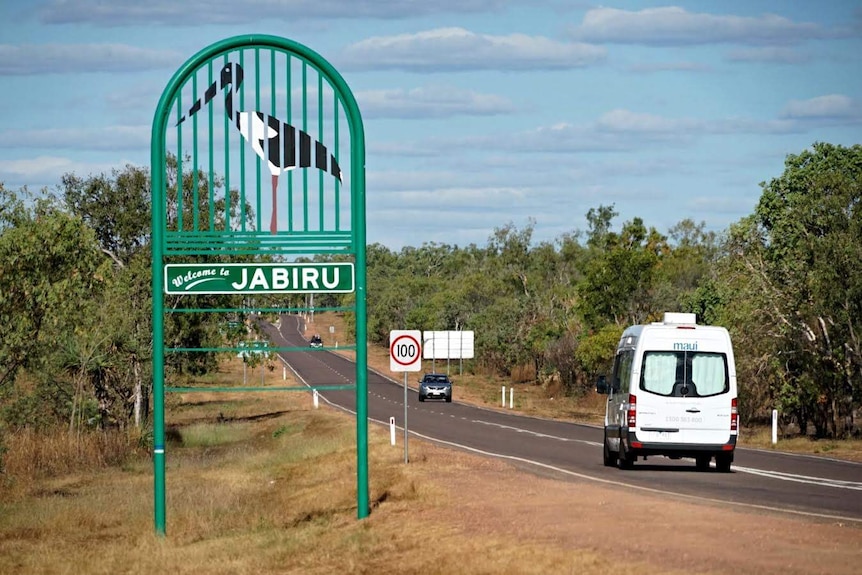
(774, 426)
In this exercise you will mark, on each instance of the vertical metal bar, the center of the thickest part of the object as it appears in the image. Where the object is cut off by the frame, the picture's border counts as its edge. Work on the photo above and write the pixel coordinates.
(242, 183)
(304, 129)
(211, 175)
(406, 458)
(320, 138)
(195, 162)
(179, 159)
(227, 202)
(250, 138)
(158, 368)
(289, 84)
(273, 113)
(357, 210)
(272, 91)
(157, 223)
(358, 236)
(335, 155)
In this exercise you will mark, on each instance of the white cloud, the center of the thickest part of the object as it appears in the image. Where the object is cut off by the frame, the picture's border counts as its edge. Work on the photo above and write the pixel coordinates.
(102, 139)
(615, 131)
(389, 180)
(198, 12)
(431, 102)
(46, 171)
(457, 197)
(635, 122)
(672, 25)
(457, 49)
(41, 165)
(771, 54)
(31, 59)
(735, 125)
(652, 67)
(823, 107)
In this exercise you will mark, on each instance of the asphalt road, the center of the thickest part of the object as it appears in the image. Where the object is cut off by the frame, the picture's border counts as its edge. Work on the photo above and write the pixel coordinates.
(814, 486)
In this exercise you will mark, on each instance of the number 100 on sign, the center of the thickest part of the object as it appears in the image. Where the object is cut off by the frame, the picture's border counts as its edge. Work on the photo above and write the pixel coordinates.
(405, 350)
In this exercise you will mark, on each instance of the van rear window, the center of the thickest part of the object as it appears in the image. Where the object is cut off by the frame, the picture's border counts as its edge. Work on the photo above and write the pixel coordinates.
(684, 373)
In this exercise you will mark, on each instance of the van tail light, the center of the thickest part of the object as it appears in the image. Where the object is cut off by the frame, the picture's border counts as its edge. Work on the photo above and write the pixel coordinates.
(734, 415)
(632, 413)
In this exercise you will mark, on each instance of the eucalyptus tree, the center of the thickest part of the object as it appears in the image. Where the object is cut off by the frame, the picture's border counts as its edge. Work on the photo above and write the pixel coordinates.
(619, 276)
(53, 275)
(811, 218)
(51, 269)
(736, 292)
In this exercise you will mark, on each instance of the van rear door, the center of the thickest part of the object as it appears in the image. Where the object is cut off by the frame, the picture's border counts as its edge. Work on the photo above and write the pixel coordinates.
(687, 398)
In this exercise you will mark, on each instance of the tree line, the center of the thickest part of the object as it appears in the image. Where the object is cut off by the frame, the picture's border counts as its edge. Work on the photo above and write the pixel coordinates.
(786, 280)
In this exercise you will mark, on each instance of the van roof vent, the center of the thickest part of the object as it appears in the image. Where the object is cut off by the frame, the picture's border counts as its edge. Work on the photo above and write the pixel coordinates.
(679, 318)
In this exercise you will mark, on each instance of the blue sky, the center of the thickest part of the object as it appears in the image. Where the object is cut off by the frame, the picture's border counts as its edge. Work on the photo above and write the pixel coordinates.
(477, 113)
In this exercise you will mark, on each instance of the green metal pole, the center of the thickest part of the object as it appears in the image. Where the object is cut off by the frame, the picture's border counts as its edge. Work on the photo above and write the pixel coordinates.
(357, 178)
(157, 163)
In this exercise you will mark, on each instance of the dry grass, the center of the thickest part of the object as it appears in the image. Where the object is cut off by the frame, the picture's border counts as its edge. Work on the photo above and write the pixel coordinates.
(37, 455)
(254, 495)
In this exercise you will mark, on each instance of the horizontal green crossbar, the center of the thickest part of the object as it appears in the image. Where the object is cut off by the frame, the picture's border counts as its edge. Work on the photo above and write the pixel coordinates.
(245, 251)
(292, 388)
(258, 309)
(255, 349)
(234, 236)
(236, 242)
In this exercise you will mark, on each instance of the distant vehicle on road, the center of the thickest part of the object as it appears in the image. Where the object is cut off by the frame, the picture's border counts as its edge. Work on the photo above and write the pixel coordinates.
(435, 386)
(673, 393)
(316, 341)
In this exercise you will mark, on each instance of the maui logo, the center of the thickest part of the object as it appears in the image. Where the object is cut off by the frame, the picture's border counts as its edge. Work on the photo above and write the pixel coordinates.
(680, 346)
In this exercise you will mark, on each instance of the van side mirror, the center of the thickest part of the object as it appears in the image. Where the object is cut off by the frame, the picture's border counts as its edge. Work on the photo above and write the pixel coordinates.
(602, 385)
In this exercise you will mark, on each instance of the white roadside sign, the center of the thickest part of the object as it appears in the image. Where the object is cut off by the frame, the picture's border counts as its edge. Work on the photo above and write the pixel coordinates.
(447, 345)
(405, 350)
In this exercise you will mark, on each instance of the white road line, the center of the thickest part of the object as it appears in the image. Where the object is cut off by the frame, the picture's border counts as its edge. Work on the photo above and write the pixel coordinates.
(822, 481)
(535, 433)
(818, 457)
(840, 484)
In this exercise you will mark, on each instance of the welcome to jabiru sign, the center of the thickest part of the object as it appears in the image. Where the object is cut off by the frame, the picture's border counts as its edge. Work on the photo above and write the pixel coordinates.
(259, 278)
(231, 140)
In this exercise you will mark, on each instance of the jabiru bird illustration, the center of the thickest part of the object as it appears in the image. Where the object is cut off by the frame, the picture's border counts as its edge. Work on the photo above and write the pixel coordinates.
(272, 140)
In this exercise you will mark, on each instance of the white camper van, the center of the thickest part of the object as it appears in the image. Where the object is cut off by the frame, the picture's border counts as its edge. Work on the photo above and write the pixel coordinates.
(672, 393)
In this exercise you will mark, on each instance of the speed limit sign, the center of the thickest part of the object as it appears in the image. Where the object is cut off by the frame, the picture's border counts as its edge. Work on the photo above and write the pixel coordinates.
(405, 351)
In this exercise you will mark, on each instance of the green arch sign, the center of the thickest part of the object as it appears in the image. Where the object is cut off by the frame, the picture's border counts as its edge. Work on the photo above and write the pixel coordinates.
(257, 160)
